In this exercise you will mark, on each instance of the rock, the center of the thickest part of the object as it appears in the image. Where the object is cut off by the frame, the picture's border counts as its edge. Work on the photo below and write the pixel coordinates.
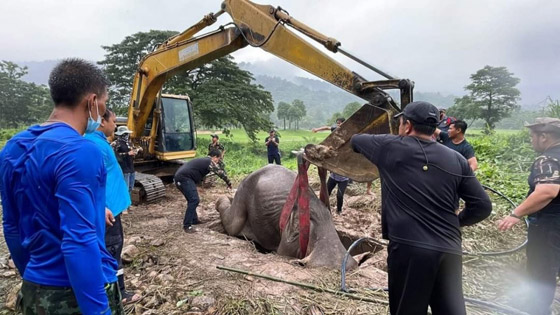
(203, 302)
(133, 240)
(135, 282)
(157, 242)
(12, 297)
(11, 264)
(217, 256)
(9, 273)
(129, 253)
(165, 278)
(358, 202)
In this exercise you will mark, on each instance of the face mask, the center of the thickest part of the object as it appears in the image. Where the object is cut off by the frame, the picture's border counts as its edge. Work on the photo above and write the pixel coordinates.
(92, 125)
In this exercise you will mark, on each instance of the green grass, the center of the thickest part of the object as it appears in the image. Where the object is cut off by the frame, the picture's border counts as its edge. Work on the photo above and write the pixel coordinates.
(480, 132)
(7, 134)
(243, 156)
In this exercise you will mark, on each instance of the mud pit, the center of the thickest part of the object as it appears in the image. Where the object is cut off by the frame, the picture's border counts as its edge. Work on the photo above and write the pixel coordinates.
(176, 272)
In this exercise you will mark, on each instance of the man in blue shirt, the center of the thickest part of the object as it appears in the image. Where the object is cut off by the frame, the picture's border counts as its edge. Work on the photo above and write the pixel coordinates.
(117, 197)
(53, 199)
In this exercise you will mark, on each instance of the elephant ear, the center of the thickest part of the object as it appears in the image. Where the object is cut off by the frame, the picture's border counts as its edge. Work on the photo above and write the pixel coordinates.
(292, 228)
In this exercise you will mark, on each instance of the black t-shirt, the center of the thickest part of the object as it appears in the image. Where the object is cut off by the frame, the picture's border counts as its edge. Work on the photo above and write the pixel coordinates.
(271, 148)
(465, 148)
(546, 170)
(194, 169)
(418, 206)
(126, 161)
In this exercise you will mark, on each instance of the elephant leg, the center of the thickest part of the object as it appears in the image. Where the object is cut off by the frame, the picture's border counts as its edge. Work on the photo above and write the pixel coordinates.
(232, 214)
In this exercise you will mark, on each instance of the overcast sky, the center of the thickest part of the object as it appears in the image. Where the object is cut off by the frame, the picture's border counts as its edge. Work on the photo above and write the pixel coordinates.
(437, 44)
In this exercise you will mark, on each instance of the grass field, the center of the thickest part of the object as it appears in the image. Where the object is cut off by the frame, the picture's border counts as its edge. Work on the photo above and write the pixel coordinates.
(243, 156)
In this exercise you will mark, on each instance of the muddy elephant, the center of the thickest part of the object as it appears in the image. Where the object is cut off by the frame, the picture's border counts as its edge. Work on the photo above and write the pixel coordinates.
(255, 213)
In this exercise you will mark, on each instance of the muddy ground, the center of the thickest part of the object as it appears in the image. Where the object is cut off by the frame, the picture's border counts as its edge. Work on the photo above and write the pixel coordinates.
(177, 272)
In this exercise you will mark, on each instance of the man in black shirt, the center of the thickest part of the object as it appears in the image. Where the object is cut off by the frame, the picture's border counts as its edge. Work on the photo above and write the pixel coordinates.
(191, 174)
(543, 208)
(421, 181)
(454, 138)
(125, 153)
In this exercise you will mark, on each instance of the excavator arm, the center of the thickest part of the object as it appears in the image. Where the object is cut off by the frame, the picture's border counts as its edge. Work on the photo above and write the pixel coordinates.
(268, 28)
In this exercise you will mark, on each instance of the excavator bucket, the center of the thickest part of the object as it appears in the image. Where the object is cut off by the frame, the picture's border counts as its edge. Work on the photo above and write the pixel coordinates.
(335, 152)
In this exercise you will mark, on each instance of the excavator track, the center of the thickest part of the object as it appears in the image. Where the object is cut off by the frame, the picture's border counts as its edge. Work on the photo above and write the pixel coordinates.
(147, 188)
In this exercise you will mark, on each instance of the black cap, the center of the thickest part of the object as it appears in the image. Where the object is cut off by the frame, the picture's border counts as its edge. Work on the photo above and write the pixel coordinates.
(422, 113)
(215, 136)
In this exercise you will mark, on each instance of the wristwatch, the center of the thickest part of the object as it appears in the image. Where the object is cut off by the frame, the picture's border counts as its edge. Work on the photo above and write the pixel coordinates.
(512, 214)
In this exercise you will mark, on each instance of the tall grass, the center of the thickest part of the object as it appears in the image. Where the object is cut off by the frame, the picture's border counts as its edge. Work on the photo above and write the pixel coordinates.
(504, 162)
(7, 134)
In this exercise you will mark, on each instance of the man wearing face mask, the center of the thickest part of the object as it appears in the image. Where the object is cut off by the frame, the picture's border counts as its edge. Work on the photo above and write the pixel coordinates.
(542, 206)
(117, 198)
(53, 198)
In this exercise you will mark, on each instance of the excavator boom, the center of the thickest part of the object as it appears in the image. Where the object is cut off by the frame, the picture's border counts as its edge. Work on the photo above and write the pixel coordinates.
(268, 28)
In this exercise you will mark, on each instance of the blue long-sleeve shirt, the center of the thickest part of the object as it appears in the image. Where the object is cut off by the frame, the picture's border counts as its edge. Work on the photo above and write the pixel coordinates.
(13, 150)
(117, 198)
(59, 202)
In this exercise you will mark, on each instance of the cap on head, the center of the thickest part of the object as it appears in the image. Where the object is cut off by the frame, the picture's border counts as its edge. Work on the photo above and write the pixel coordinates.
(215, 136)
(122, 130)
(422, 113)
(545, 124)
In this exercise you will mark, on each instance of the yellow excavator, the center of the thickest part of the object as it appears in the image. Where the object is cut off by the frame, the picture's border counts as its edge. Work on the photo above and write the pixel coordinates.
(163, 124)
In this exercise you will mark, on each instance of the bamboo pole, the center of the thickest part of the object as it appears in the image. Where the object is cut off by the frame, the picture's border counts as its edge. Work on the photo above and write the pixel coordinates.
(305, 285)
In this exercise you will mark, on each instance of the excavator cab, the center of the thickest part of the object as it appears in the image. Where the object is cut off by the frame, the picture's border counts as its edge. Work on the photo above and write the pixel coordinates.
(176, 135)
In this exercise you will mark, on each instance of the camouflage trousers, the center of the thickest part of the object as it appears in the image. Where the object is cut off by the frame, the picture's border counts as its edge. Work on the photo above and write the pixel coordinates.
(46, 300)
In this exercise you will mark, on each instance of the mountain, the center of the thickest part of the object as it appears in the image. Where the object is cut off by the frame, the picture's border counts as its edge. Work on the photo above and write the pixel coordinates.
(321, 98)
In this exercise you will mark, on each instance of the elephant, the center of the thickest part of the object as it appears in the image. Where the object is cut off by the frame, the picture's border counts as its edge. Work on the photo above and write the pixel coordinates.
(255, 211)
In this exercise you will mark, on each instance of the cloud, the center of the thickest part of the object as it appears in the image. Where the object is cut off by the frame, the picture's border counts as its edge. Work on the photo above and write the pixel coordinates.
(438, 44)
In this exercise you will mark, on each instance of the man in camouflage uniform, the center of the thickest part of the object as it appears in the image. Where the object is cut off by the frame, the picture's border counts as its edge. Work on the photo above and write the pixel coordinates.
(191, 174)
(56, 300)
(542, 206)
(216, 145)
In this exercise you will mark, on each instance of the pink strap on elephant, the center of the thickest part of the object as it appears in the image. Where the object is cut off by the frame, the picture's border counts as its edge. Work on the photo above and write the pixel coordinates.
(303, 207)
(299, 191)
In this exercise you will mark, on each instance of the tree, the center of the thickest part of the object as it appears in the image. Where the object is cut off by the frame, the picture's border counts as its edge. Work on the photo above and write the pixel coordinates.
(493, 96)
(299, 111)
(283, 112)
(350, 109)
(222, 94)
(21, 103)
(122, 60)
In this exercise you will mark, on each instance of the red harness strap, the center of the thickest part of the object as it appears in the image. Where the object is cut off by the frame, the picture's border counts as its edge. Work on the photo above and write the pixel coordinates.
(299, 191)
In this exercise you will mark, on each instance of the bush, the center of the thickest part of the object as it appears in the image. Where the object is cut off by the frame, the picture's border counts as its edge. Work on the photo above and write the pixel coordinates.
(504, 162)
(7, 134)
